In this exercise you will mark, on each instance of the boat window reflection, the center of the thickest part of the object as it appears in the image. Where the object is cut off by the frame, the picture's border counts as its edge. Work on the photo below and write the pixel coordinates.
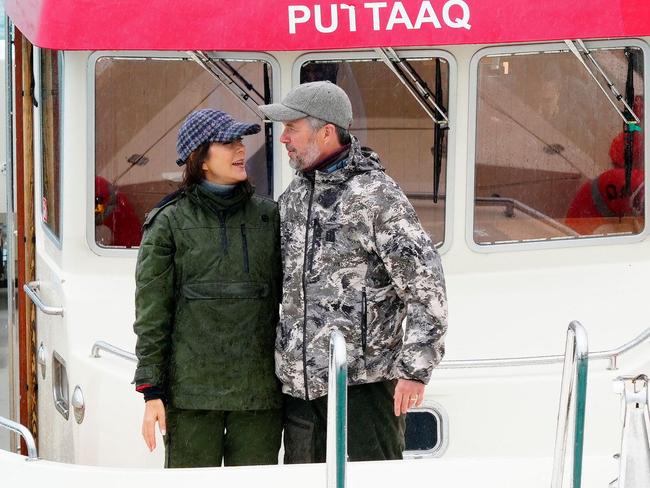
(51, 139)
(552, 156)
(139, 106)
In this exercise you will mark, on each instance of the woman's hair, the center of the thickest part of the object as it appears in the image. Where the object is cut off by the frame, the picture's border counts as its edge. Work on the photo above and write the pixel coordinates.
(193, 174)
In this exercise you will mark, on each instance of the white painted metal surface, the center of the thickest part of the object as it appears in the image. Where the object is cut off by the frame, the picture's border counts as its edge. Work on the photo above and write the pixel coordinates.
(451, 473)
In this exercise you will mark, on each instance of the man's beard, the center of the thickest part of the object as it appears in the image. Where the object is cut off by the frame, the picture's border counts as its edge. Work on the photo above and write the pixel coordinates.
(307, 160)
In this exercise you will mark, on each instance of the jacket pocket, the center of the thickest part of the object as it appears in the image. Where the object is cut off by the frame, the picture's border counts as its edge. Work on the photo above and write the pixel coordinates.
(364, 320)
(220, 290)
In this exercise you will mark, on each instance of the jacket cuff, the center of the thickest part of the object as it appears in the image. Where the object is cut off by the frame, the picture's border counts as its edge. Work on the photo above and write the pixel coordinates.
(152, 392)
(147, 375)
(423, 375)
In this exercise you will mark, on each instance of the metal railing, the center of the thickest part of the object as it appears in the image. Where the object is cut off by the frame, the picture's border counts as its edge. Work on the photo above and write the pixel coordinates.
(509, 205)
(610, 354)
(31, 290)
(32, 453)
(337, 412)
(105, 346)
(634, 457)
(572, 401)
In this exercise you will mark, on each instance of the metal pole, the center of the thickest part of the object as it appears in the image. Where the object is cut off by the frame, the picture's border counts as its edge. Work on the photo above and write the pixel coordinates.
(32, 453)
(12, 300)
(337, 406)
(572, 399)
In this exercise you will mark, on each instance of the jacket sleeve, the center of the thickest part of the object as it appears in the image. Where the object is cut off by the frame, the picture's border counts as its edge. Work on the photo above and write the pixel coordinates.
(415, 269)
(154, 302)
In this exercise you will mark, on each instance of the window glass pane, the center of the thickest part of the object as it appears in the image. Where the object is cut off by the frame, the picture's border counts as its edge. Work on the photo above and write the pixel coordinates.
(550, 148)
(388, 119)
(50, 139)
(139, 107)
(421, 431)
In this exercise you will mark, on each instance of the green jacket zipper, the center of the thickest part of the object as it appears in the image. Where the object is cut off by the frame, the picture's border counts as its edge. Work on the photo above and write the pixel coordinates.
(244, 243)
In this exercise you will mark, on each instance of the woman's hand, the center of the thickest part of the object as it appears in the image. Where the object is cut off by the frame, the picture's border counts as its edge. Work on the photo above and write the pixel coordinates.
(154, 411)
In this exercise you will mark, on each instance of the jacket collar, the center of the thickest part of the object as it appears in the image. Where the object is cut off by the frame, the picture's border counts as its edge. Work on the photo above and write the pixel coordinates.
(219, 203)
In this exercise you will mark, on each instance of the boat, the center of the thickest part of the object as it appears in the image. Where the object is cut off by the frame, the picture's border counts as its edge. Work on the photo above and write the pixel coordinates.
(516, 129)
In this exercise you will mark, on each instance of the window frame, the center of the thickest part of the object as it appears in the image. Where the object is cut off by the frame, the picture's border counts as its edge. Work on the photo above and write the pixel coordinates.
(39, 143)
(550, 243)
(452, 112)
(442, 423)
(90, 111)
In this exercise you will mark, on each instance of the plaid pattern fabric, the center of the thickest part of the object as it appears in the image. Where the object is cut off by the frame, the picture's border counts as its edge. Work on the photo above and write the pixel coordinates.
(209, 125)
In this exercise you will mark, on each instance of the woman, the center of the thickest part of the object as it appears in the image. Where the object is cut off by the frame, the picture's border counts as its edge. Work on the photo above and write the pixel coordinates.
(207, 293)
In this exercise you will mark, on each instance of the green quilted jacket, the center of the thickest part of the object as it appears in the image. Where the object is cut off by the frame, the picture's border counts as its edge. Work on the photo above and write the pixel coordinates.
(208, 281)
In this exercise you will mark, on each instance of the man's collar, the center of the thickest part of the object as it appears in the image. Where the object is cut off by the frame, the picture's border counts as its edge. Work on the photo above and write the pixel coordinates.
(330, 161)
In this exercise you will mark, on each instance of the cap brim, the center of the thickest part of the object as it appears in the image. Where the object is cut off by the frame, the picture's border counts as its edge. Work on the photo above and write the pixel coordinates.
(235, 131)
(281, 113)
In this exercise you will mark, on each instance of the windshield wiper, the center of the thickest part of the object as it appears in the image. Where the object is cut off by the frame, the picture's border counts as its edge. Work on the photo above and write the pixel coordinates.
(414, 84)
(231, 80)
(581, 52)
(430, 102)
(438, 136)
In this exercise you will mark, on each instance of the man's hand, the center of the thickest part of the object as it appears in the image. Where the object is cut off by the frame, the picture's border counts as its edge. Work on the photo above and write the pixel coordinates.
(154, 411)
(408, 394)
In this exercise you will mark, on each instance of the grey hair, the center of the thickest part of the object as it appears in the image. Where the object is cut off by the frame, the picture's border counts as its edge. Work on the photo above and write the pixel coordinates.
(317, 124)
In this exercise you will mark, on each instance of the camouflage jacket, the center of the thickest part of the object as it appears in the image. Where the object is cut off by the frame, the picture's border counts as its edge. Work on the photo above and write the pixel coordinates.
(356, 259)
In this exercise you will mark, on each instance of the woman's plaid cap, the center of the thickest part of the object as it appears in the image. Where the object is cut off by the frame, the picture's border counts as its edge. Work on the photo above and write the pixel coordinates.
(209, 125)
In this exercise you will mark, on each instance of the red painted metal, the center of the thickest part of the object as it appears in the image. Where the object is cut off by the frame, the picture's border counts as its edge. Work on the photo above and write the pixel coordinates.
(23, 346)
(265, 25)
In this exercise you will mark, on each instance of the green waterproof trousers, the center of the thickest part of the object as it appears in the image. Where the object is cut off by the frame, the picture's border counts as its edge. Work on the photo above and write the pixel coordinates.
(204, 438)
(374, 433)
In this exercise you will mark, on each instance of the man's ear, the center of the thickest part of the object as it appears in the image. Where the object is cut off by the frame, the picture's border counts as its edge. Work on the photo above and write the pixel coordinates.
(330, 132)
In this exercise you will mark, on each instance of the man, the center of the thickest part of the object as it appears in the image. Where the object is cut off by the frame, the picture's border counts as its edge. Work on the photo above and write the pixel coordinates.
(355, 259)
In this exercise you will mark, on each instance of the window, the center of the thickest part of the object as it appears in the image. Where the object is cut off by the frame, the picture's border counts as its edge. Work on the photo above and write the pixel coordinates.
(551, 152)
(388, 119)
(50, 76)
(139, 107)
(427, 432)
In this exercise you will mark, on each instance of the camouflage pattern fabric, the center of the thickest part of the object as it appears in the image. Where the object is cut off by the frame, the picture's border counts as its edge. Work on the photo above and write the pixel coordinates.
(356, 259)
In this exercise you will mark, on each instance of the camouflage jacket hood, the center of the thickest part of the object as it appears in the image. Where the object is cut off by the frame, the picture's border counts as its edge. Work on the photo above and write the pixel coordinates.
(356, 259)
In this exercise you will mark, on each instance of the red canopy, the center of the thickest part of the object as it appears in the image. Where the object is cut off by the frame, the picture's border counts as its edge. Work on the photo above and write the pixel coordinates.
(271, 25)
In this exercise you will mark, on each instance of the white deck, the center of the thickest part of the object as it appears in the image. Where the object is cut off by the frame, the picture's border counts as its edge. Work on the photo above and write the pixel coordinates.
(447, 473)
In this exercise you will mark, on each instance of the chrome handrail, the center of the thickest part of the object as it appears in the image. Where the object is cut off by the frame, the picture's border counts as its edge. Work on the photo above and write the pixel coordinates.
(337, 407)
(30, 290)
(572, 398)
(611, 354)
(32, 452)
(105, 346)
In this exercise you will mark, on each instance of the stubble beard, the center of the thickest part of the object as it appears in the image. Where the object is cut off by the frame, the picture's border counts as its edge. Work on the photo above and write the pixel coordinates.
(304, 162)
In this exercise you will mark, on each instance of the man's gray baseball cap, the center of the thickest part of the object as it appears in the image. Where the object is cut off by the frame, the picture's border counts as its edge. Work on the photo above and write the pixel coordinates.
(321, 99)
